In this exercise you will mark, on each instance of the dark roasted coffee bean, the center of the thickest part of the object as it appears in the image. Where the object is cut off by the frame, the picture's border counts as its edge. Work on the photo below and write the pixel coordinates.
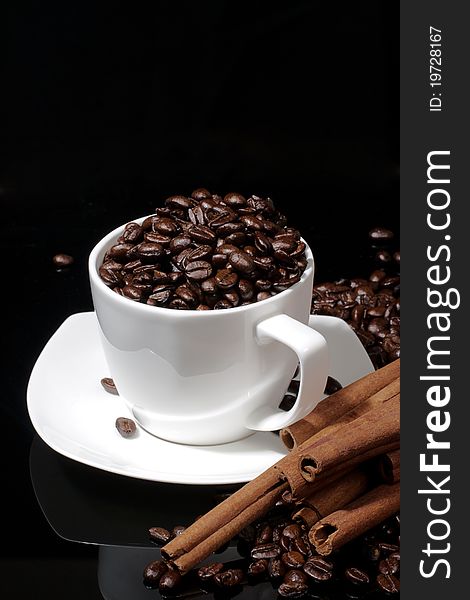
(241, 261)
(252, 223)
(153, 572)
(132, 233)
(386, 547)
(380, 234)
(149, 251)
(293, 559)
(301, 545)
(225, 279)
(202, 234)
(120, 252)
(201, 194)
(264, 535)
(388, 583)
(383, 256)
(232, 297)
(157, 238)
(332, 386)
(207, 572)
(295, 576)
(356, 576)
(198, 270)
(372, 552)
(110, 277)
(109, 385)
(169, 581)
(228, 229)
(292, 531)
(237, 239)
(160, 535)
(292, 590)
(61, 261)
(126, 427)
(179, 202)
(396, 257)
(178, 304)
(269, 550)
(263, 243)
(257, 568)
(318, 568)
(179, 243)
(202, 252)
(222, 304)
(263, 285)
(235, 200)
(251, 250)
(377, 276)
(246, 289)
(209, 286)
(177, 530)
(262, 296)
(188, 295)
(229, 578)
(389, 565)
(132, 293)
(276, 568)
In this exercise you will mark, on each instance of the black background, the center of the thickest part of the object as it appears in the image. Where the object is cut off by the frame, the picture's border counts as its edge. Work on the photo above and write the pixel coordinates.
(111, 109)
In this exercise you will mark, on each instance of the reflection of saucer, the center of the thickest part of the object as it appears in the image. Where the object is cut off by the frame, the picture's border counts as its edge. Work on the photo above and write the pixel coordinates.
(75, 416)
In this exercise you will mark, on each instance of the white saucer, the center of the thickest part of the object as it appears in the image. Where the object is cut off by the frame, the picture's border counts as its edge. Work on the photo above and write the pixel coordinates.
(75, 416)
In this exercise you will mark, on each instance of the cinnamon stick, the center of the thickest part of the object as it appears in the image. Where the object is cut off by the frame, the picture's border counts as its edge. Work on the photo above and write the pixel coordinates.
(331, 409)
(356, 518)
(185, 562)
(388, 467)
(337, 494)
(316, 463)
(375, 433)
(268, 484)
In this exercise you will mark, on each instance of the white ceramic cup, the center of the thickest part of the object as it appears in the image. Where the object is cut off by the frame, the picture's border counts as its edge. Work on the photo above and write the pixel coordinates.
(215, 376)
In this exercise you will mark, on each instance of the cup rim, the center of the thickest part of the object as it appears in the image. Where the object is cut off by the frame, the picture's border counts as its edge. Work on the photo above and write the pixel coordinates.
(139, 306)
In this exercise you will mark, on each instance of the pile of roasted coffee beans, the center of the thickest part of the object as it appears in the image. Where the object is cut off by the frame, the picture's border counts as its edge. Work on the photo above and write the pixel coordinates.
(371, 306)
(276, 549)
(206, 252)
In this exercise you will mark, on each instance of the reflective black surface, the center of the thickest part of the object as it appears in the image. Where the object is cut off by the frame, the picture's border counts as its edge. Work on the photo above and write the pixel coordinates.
(108, 112)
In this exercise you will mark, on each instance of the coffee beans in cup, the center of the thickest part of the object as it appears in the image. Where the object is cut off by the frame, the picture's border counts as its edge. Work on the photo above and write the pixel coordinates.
(206, 252)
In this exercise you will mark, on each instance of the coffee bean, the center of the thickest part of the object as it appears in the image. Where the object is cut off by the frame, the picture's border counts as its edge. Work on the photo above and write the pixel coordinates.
(132, 292)
(159, 535)
(169, 581)
(202, 234)
(179, 304)
(396, 257)
(292, 590)
(230, 578)
(292, 531)
(207, 572)
(389, 565)
(201, 194)
(318, 568)
(388, 583)
(109, 385)
(276, 568)
(293, 559)
(257, 568)
(380, 234)
(235, 200)
(295, 576)
(153, 572)
(356, 576)
(269, 550)
(109, 276)
(386, 548)
(225, 279)
(264, 534)
(179, 202)
(126, 427)
(177, 530)
(383, 256)
(62, 261)
(262, 296)
(198, 270)
(241, 261)
(149, 251)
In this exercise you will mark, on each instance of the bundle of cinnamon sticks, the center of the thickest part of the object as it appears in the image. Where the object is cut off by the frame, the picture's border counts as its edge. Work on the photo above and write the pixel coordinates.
(343, 473)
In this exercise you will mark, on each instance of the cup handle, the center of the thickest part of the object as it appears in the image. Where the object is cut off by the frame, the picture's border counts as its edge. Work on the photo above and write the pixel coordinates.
(312, 352)
(313, 344)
